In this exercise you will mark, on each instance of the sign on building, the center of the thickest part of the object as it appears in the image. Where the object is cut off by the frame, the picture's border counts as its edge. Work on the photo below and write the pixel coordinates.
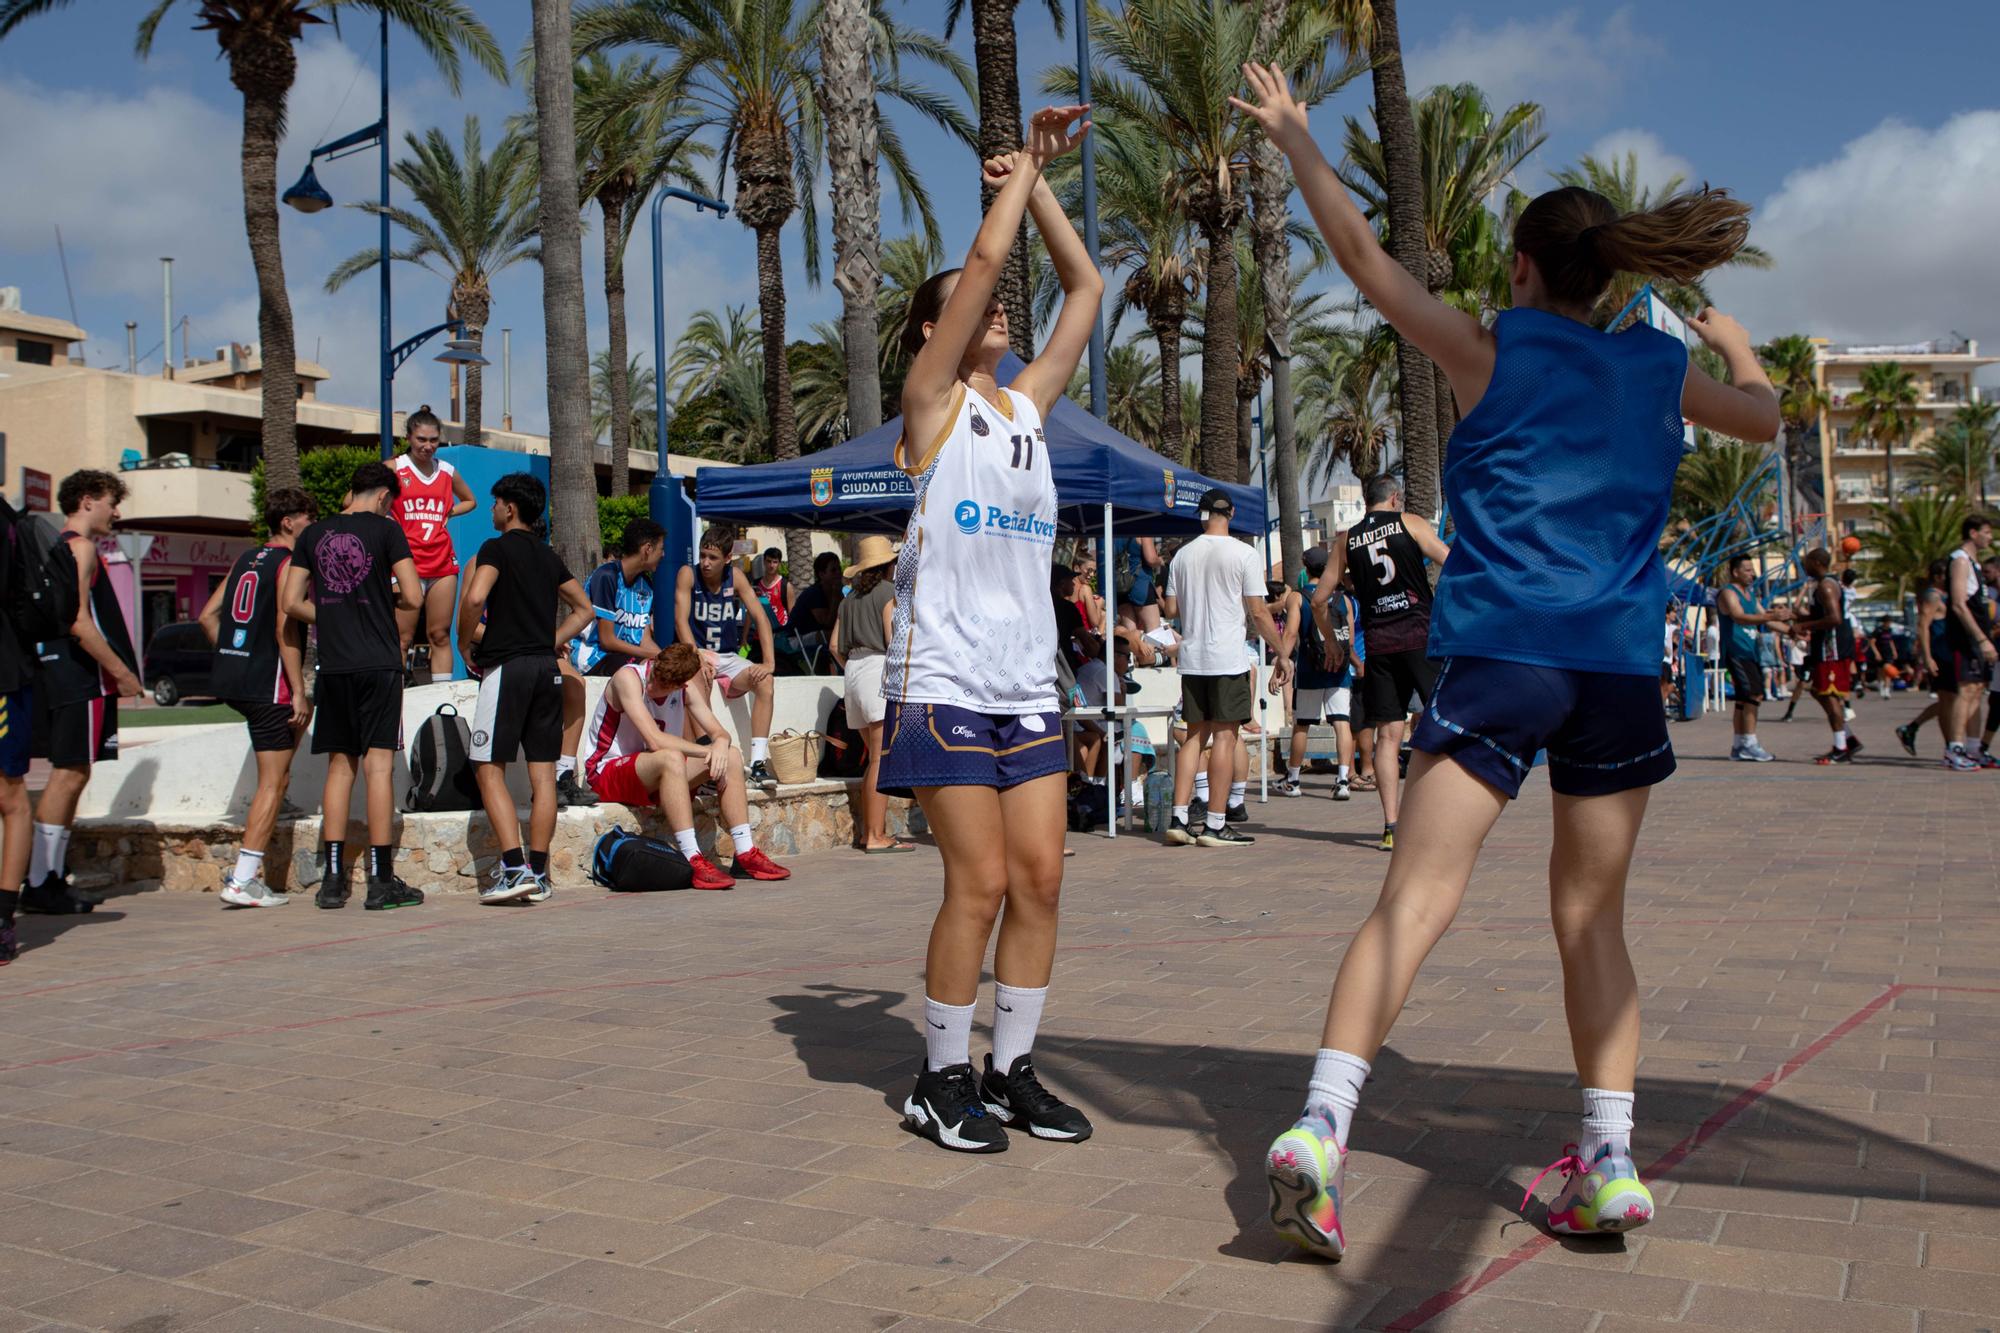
(37, 494)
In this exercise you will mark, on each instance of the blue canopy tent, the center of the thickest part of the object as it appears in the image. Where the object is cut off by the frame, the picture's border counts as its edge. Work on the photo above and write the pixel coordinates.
(1105, 483)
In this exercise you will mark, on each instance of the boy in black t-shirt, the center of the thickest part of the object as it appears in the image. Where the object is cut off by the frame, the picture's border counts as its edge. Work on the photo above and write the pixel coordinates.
(16, 711)
(260, 672)
(346, 562)
(520, 587)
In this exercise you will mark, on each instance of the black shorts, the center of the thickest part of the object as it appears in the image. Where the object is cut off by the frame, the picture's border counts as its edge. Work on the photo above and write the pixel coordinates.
(358, 711)
(1746, 680)
(520, 708)
(77, 735)
(270, 725)
(1969, 668)
(1217, 698)
(1390, 680)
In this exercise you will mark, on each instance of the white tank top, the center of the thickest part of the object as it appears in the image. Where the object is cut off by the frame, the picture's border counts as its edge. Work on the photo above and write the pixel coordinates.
(975, 625)
(612, 734)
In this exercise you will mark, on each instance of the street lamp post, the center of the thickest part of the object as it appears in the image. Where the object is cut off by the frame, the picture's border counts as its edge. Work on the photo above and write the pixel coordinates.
(668, 503)
(1090, 229)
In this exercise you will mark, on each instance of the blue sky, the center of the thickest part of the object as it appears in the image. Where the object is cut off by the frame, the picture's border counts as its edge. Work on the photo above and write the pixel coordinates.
(1870, 145)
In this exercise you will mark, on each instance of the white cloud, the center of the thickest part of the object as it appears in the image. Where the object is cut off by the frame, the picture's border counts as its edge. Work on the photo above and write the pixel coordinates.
(1562, 62)
(1657, 166)
(1890, 240)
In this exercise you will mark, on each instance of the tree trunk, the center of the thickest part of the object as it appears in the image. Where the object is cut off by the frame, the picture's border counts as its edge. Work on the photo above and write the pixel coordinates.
(852, 146)
(1447, 413)
(1000, 132)
(1246, 430)
(475, 307)
(1173, 434)
(1218, 358)
(1401, 162)
(572, 458)
(263, 71)
(611, 201)
(1888, 470)
(778, 383)
(1269, 184)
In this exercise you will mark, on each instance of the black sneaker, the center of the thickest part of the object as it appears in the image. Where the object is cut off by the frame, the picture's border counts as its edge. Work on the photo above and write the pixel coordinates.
(54, 897)
(1908, 736)
(572, 794)
(945, 1108)
(1197, 811)
(1178, 833)
(1842, 756)
(333, 889)
(1237, 814)
(10, 947)
(390, 893)
(1017, 1098)
(1222, 837)
(762, 776)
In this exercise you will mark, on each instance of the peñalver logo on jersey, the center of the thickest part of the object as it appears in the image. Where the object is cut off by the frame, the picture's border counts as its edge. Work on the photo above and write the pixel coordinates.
(966, 516)
(1013, 524)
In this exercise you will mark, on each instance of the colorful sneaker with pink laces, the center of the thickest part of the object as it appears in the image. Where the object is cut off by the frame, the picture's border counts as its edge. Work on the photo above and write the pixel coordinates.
(1602, 1195)
(1305, 1166)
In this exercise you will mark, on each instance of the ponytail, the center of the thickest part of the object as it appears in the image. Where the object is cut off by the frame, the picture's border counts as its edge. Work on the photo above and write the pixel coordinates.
(1579, 241)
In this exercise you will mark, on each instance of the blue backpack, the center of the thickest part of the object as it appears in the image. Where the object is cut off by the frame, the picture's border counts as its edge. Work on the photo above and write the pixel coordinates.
(634, 863)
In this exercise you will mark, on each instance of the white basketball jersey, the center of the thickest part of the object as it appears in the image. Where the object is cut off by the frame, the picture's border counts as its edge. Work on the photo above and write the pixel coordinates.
(612, 734)
(975, 626)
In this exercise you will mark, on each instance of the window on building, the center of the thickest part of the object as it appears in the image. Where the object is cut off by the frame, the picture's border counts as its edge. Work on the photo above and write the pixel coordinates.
(236, 451)
(35, 354)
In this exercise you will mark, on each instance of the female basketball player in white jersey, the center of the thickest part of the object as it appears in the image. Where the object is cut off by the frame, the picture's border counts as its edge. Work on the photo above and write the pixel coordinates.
(973, 727)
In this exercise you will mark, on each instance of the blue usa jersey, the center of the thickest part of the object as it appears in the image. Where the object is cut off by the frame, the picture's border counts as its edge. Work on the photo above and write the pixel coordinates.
(1558, 482)
(628, 606)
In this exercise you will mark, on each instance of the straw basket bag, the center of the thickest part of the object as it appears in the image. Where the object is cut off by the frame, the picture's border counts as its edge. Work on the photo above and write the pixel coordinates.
(795, 756)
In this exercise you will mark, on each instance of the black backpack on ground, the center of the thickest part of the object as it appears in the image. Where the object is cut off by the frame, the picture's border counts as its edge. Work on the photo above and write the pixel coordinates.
(634, 863)
(441, 764)
(845, 756)
(41, 596)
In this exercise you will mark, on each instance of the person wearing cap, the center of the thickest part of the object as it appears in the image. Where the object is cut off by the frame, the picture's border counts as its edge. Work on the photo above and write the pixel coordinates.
(860, 640)
(1215, 589)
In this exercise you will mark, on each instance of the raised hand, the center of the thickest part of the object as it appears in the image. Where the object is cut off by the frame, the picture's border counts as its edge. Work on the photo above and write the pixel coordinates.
(1718, 330)
(1276, 111)
(994, 171)
(1049, 132)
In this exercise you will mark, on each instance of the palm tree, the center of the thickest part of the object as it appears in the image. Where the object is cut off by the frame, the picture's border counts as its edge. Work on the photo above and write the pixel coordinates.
(1887, 414)
(708, 349)
(1906, 537)
(471, 220)
(637, 380)
(819, 378)
(258, 38)
(1144, 233)
(1177, 62)
(1793, 366)
(1346, 388)
(1955, 458)
(853, 138)
(1618, 181)
(906, 262)
(1981, 422)
(1131, 392)
(1711, 477)
(993, 54)
(1270, 182)
(750, 71)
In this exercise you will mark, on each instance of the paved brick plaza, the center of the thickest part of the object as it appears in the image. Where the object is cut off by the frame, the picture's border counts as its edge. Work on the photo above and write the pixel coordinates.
(617, 1114)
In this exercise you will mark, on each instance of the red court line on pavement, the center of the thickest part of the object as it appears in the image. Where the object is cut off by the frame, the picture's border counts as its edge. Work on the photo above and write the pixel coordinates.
(1444, 1300)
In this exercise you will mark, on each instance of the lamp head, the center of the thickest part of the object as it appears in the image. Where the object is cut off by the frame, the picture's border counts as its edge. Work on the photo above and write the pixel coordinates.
(308, 196)
(462, 352)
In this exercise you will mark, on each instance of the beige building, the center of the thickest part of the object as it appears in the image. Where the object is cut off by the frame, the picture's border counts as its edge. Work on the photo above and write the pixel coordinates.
(1856, 468)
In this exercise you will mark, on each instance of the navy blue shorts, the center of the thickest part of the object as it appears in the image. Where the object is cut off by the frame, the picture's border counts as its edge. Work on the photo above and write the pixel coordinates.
(17, 722)
(1603, 733)
(936, 745)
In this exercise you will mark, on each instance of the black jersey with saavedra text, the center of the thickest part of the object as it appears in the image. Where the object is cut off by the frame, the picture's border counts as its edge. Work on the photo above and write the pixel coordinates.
(248, 668)
(1389, 583)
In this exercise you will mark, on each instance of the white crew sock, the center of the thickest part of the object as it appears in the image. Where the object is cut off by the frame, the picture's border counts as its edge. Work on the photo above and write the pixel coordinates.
(1607, 1118)
(1343, 773)
(1137, 794)
(1201, 786)
(947, 1034)
(740, 835)
(760, 749)
(1749, 740)
(1291, 774)
(1215, 820)
(1840, 738)
(249, 865)
(48, 851)
(565, 766)
(1972, 748)
(1236, 790)
(1180, 813)
(689, 844)
(1336, 1088)
(1017, 1012)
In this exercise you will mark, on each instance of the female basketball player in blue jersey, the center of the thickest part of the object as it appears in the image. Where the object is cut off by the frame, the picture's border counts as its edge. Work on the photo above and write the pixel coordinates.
(974, 728)
(1547, 624)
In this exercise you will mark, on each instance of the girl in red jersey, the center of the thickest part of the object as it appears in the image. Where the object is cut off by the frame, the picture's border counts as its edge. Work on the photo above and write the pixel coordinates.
(433, 492)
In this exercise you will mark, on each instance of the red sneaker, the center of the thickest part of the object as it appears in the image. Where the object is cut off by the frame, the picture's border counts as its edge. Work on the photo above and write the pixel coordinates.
(707, 875)
(759, 866)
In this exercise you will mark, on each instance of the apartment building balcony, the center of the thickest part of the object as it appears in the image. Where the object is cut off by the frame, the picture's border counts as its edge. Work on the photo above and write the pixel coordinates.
(176, 493)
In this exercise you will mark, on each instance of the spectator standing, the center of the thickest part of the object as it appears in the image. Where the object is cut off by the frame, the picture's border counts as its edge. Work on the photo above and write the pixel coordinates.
(1742, 613)
(1215, 589)
(772, 590)
(860, 642)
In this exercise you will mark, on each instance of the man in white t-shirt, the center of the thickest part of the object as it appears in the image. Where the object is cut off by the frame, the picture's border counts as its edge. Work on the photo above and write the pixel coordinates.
(1215, 589)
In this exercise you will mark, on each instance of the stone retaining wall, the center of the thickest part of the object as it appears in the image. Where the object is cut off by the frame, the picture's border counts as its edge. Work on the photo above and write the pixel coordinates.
(451, 852)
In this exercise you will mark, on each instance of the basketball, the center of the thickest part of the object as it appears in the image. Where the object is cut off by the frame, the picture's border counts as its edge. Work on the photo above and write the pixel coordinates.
(1849, 545)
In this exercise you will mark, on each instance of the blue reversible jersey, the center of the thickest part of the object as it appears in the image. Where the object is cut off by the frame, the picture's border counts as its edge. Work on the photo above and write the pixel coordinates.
(628, 606)
(717, 618)
(1558, 482)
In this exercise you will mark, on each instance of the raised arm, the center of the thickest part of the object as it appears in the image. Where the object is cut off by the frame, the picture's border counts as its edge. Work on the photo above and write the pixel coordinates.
(1048, 375)
(1452, 338)
(1747, 406)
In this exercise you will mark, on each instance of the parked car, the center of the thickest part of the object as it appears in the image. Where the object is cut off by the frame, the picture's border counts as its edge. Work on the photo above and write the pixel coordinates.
(178, 662)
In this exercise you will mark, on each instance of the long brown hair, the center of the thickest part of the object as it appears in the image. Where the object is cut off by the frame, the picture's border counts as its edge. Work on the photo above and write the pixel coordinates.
(926, 304)
(1580, 241)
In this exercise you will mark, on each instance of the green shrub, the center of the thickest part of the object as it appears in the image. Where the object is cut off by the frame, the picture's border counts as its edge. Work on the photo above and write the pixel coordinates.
(324, 473)
(614, 512)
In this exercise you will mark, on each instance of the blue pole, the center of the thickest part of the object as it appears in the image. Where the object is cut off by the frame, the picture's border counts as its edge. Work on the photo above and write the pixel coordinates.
(667, 502)
(1090, 224)
(388, 340)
